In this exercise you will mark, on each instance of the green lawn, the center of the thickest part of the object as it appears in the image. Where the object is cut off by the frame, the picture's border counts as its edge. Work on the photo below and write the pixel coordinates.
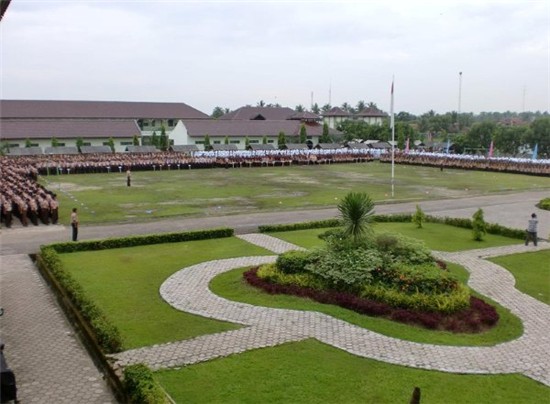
(125, 284)
(158, 194)
(436, 236)
(311, 372)
(532, 272)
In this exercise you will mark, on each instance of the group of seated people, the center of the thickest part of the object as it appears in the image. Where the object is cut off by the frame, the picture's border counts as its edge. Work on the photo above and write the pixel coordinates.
(469, 162)
(22, 197)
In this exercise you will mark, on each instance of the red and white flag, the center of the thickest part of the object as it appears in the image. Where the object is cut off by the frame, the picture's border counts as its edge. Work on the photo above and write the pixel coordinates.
(407, 146)
(491, 149)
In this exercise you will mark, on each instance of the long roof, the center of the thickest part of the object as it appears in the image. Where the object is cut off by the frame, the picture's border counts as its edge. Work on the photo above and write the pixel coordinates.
(217, 128)
(267, 113)
(336, 111)
(47, 109)
(67, 128)
(371, 111)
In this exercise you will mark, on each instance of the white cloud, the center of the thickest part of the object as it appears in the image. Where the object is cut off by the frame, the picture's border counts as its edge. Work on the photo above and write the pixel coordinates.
(231, 53)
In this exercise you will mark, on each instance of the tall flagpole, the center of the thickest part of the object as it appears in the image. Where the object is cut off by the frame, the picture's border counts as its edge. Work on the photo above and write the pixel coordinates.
(392, 124)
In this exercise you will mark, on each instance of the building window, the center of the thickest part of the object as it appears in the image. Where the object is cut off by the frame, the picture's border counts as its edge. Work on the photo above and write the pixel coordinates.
(145, 123)
(271, 141)
(86, 144)
(254, 141)
(153, 122)
(126, 143)
(13, 145)
(199, 141)
(170, 122)
(234, 142)
(217, 142)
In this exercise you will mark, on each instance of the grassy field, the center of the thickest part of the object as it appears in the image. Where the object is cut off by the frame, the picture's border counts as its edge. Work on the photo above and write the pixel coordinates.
(159, 194)
(532, 272)
(311, 372)
(125, 284)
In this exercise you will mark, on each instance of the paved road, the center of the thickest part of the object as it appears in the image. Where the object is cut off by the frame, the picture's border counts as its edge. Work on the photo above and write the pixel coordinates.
(49, 361)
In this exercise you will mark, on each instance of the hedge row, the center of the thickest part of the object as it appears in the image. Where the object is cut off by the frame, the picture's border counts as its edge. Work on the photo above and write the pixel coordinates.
(544, 204)
(141, 387)
(148, 239)
(107, 335)
(491, 228)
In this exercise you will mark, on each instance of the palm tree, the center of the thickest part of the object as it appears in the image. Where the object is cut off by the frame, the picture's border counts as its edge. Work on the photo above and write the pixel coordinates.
(357, 211)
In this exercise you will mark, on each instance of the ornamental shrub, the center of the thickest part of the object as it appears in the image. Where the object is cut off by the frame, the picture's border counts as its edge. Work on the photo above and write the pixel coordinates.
(292, 262)
(417, 278)
(544, 204)
(398, 248)
(479, 227)
(418, 217)
(345, 270)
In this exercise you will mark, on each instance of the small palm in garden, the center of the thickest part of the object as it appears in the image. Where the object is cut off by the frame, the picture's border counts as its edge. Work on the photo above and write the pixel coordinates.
(357, 210)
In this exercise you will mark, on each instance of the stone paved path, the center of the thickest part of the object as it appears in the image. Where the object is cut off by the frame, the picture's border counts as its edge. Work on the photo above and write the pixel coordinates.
(50, 364)
(187, 290)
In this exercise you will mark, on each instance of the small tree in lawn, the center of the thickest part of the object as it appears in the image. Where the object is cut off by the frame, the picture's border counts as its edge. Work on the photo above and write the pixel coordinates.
(55, 142)
(246, 142)
(264, 140)
(163, 140)
(154, 139)
(79, 144)
(111, 144)
(28, 142)
(418, 217)
(325, 138)
(479, 227)
(135, 140)
(226, 140)
(357, 211)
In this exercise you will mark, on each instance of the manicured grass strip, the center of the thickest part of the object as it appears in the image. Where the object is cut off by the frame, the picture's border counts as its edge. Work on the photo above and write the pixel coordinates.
(232, 286)
(532, 272)
(125, 284)
(437, 236)
(311, 372)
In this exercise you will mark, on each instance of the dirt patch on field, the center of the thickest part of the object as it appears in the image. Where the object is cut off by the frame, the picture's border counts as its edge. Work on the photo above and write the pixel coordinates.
(70, 187)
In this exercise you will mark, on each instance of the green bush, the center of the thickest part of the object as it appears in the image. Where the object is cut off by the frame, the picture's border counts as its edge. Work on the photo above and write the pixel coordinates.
(446, 303)
(123, 242)
(271, 273)
(399, 248)
(140, 386)
(544, 204)
(418, 217)
(427, 278)
(292, 262)
(107, 335)
(345, 270)
(479, 227)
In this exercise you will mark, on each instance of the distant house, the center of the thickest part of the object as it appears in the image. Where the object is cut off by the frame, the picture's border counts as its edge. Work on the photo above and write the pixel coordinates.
(335, 117)
(372, 116)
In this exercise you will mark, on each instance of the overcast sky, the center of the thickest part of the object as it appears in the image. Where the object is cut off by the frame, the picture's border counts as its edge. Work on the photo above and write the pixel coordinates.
(233, 53)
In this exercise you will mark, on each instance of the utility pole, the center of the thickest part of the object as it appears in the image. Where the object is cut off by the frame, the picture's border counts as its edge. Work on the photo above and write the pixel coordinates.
(459, 100)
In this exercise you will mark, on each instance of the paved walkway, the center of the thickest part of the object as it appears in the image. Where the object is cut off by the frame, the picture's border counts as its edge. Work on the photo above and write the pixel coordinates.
(49, 362)
(187, 290)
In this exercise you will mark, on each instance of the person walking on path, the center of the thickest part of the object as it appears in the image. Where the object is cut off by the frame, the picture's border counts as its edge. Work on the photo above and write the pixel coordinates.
(74, 224)
(532, 230)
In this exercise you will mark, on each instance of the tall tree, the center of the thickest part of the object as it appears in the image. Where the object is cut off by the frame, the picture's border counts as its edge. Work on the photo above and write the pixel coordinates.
(226, 140)
(326, 108)
(135, 140)
(154, 139)
(111, 144)
(217, 112)
(325, 138)
(79, 144)
(315, 109)
(360, 106)
(480, 135)
(163, 140)
(303, 133)
(55, 142)
(207, 145)
(28, 142)
(261, 103)
(539, 134)
(299, 108)
(281, 140)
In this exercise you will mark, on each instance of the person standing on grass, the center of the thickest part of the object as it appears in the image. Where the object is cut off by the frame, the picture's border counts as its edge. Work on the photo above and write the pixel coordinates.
(74, 224)
(532, 230)
(128, 177)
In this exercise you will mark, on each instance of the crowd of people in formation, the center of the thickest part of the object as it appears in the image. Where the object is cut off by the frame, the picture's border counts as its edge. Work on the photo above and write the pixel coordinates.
(469, 162)
(121, 162)
(22, 197)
